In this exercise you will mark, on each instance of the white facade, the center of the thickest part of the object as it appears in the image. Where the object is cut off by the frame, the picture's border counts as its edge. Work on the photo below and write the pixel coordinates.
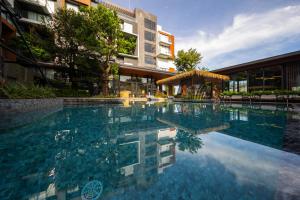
(164, 64)
(163, 47)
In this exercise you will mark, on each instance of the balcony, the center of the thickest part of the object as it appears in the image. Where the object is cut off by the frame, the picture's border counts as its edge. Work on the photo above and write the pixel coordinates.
(164, 53)
(34, 2)
(33, 17)
(164, 40)
(128, 28)
(32, 11)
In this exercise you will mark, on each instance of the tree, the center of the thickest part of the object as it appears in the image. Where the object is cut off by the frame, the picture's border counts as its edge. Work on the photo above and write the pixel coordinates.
(188, 141)
(66, 26)
(104, 39)
(89, 40)
(187, 60)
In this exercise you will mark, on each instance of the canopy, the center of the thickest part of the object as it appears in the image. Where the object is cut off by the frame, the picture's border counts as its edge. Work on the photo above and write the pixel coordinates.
(191, 74)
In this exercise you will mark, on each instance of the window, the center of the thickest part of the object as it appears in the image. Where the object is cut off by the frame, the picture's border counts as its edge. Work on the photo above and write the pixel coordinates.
(232, 86)
(256, 78)
(238, 82)
(149, 48)
(272, 78)
(150, 24)
(164, 50)
(128, 28)
(149, 36)
(243, 86)
(149, 60)
(36, 16)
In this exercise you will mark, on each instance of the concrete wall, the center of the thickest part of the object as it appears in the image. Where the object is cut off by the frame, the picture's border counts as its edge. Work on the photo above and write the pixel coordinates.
(140, 17)
(17, 112)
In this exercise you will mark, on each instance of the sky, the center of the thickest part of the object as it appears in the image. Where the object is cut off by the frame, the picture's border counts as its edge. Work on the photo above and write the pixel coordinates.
(228, 32)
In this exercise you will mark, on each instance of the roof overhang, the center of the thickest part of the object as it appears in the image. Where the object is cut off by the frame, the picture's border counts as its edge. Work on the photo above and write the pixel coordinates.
(266, 62)
(145, 71)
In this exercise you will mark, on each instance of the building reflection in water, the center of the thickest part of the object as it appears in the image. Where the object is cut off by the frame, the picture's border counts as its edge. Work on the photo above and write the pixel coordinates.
(123, 147)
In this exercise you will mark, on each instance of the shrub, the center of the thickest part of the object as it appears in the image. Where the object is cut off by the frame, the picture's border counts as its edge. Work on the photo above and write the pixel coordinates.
(68, 92)
(19, 91)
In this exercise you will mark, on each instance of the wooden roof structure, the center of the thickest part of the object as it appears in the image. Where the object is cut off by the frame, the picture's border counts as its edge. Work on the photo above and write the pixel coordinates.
(193, 74)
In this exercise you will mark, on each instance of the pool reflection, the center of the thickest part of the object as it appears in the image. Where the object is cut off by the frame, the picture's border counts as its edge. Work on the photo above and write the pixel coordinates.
(142, 151)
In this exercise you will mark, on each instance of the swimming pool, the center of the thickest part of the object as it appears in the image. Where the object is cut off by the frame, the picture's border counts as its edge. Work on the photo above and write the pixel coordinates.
(161, 151)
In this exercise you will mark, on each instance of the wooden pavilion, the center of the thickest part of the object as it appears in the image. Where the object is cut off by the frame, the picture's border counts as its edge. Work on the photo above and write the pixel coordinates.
(195, 83)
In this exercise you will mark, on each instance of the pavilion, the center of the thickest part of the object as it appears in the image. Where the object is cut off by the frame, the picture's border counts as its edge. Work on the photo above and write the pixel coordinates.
(195, 83)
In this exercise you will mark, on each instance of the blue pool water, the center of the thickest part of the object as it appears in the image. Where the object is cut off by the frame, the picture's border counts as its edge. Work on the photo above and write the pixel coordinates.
(163, 151)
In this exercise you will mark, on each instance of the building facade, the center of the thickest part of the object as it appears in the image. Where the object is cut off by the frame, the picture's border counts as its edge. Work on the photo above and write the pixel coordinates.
(151, 60)
(280, 72)
(153, 56)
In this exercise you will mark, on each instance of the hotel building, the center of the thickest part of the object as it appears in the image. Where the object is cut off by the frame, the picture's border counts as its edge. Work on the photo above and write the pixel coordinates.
(139, 70)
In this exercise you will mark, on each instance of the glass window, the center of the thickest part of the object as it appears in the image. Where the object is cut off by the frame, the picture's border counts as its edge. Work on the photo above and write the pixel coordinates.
(241, 81)
(35, 16)
(164, 50)
(150, 138)
(243, 86)
(256, 80)
(150, 24)
(149, 36)
(232, 86)
(150, 60)
(272, 78)
(149, 48)
(125, 78)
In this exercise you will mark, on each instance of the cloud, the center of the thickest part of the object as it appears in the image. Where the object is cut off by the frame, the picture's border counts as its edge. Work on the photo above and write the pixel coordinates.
(247, 31)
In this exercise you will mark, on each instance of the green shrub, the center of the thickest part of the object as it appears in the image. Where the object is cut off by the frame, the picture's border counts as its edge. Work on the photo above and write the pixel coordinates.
(19, 91)
(67, 92)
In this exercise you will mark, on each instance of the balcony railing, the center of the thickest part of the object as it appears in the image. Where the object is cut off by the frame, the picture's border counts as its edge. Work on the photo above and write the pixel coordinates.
(164, 53)
(165, 40)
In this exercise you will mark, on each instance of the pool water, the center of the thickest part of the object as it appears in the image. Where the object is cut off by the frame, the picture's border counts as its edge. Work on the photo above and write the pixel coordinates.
(147, 151)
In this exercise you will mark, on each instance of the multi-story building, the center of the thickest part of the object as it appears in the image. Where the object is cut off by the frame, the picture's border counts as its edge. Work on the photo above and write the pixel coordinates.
(151, 60)
(154, 54)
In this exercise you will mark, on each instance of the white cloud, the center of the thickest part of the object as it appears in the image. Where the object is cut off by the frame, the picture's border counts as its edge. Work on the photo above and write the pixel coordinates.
(246, 31)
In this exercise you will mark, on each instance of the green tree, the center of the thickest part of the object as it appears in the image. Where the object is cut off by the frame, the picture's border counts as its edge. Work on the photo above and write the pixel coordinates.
(104, 39)
(188, 141)
(89, 40)
(41, 48)
(187, 60)
(66, 25)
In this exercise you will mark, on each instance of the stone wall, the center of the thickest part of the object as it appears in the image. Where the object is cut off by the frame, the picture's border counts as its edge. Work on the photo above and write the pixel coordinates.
(92, 101)
(17, 112)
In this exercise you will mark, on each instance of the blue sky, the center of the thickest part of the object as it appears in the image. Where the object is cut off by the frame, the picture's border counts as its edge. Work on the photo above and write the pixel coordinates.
(228, 32)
